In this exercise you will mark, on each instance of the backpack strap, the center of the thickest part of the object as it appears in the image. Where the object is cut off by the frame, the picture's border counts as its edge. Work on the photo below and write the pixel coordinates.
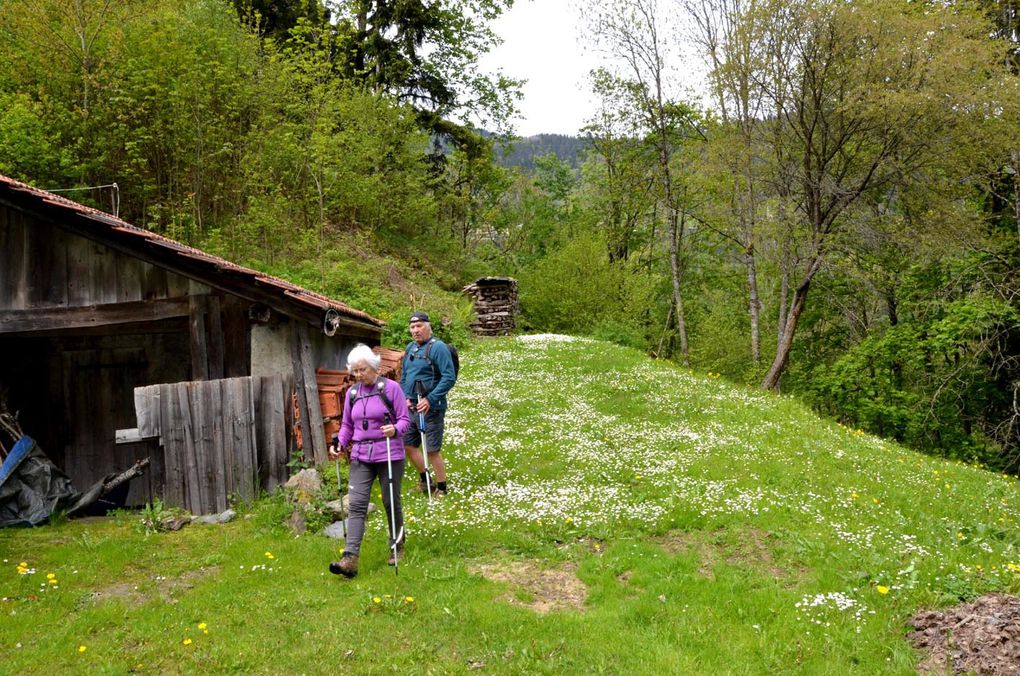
(378, 390)
(436, 375)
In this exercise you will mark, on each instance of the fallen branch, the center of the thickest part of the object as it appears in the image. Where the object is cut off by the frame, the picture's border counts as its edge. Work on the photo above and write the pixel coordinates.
(126, 475)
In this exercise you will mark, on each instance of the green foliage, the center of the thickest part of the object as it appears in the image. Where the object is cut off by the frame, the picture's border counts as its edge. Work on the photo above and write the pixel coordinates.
(931, 386)
(28, 150)
(156, 517)
(575, 289)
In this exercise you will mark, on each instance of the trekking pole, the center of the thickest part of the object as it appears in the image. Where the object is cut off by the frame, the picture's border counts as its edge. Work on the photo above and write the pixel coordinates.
(340, 488)
(419, 390)
(393, 505)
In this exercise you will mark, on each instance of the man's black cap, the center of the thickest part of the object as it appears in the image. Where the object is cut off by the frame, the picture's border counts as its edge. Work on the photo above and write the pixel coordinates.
(419, 317)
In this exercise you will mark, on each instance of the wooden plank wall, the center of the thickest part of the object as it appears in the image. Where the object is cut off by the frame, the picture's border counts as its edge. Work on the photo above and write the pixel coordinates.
(307, 392)
(219, 437)
(42, 266)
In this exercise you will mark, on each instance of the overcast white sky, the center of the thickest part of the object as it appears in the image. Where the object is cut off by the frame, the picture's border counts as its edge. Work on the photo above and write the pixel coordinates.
(540, 44)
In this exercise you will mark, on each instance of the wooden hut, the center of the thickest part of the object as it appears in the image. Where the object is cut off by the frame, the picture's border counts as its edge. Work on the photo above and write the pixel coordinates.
(496, 305)
(112, 333)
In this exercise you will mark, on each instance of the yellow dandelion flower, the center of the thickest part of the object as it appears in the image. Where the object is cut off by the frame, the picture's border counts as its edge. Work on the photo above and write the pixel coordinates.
(854, 496)
(186, 641)
(882, 589)
(50, 576)
(23, 564)
(52, 581)
(82, 648)
(408, 599)
(202, 625)
(376, 599)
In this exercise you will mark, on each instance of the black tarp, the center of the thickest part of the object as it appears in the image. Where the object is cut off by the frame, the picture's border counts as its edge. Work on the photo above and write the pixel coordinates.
(32, 487)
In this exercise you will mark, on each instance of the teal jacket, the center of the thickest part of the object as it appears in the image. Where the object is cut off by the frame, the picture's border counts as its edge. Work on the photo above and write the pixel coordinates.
(437, 378)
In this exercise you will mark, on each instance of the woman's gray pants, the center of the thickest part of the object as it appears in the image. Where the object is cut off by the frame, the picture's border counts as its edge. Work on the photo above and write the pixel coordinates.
(362, 476)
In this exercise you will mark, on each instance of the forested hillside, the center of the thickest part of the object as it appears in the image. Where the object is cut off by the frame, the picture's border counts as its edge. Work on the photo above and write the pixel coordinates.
(525, 153)
(836, 213)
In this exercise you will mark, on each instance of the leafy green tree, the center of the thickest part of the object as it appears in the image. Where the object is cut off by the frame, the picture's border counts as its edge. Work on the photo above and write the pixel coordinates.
(634, 31)
(275, 18)
(619, 188)
(858, 115)
(426, 55)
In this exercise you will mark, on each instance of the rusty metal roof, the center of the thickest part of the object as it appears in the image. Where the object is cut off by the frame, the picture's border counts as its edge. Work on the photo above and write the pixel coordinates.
(193, 263)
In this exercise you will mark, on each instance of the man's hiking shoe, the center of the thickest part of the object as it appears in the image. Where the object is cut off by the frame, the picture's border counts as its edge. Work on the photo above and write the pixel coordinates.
(396, 558)
(423, 487)
(346, 566)
(439, 493)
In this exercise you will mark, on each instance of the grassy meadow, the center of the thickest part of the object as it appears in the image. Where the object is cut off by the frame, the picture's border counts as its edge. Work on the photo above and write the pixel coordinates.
(608, 514)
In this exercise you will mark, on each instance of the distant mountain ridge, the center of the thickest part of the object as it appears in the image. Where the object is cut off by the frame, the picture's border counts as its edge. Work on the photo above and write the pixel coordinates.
(522, 152)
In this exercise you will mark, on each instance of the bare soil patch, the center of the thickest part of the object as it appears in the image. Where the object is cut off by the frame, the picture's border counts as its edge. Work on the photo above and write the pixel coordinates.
(548, 589)
(184, 582)
(166, 588)
(121, 591)
(754, 551)
(746, 548)
(680, 542)
(981, 637)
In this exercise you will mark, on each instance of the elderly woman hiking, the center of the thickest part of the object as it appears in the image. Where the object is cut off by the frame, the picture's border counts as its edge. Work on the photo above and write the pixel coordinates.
(373, 427)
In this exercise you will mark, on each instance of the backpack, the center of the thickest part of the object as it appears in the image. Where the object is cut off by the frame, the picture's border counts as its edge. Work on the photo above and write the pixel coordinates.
(453, 355)
(379, 389)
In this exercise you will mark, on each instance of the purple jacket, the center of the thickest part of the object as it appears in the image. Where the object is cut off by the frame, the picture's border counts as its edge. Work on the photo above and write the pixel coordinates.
(369, 445)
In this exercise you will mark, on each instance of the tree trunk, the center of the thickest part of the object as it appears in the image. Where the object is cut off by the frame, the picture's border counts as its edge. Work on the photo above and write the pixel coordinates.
(1016, 190)
(771, 380)
(676, 270)
(754, 305)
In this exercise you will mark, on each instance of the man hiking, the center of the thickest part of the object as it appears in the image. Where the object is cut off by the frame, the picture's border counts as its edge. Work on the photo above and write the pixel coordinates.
(427, 375)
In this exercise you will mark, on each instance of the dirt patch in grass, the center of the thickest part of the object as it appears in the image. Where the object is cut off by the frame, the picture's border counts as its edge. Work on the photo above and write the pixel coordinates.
(981, 637)
(747, 548)
(130, 594)
(126, 592)
(681, 542)
(541, 589)
(184, 582)
(753, 550)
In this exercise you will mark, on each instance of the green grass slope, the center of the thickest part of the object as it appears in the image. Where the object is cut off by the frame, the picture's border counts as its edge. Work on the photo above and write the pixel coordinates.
(610, 514)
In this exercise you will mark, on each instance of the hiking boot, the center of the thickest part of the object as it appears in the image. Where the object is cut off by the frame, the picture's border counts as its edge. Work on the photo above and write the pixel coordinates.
(346, 566)
(398, 557)
(440, 493)
(423, 487)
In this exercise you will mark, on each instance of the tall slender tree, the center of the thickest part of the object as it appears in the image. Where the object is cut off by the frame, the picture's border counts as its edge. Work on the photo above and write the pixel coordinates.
(632, 31)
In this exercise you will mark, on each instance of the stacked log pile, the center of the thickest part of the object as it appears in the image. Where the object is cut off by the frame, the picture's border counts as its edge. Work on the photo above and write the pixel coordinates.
(496, 305)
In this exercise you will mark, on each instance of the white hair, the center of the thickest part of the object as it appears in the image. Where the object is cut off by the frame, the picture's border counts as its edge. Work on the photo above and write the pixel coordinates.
(362, 354)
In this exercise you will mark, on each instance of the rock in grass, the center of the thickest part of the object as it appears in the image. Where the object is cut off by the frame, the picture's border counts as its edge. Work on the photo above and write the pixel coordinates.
(223, 517)
(297, 522)
(334, 530)
(338, 508)
(305, 485)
